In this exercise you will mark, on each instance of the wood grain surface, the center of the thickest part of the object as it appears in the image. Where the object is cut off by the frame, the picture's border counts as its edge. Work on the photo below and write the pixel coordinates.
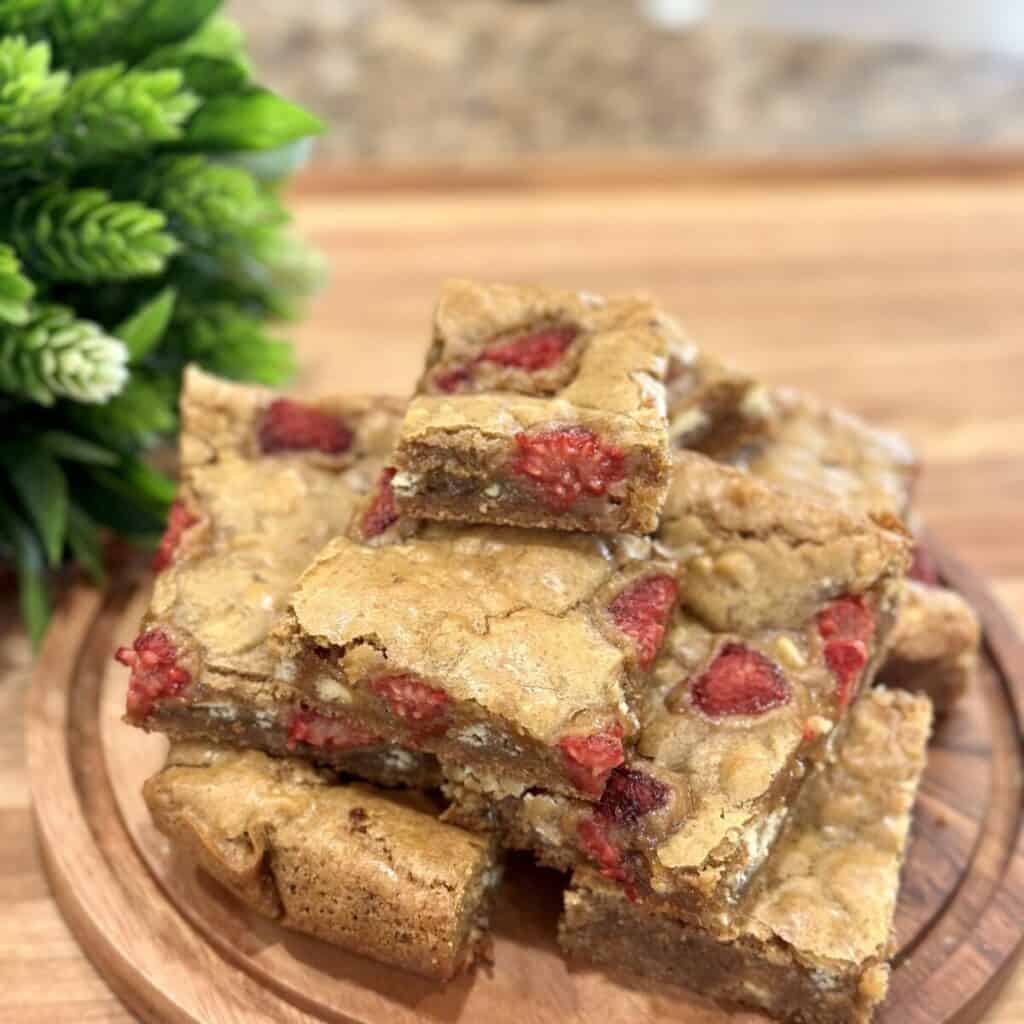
(902, 297)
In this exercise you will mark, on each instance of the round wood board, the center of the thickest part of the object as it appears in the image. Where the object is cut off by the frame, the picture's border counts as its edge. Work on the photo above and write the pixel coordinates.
(177, 948)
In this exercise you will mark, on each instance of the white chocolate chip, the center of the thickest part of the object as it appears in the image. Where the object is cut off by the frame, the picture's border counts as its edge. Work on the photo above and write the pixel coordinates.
(405, 483)
(688, 422)
(739, 567)
(788, 653)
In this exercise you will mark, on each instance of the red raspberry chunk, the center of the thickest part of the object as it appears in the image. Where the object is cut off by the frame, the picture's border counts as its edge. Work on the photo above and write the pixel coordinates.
(411, 699)
(538, 350)
(568, 462)
(155, 675)
(382, 512)
(292, 426)
(179, 519)
(846, 626)
(740, 682)
(308, 726)
(589, 759)
(923, 568)
(595, 843)
(629, 795)
(450, 381)
(642, 612)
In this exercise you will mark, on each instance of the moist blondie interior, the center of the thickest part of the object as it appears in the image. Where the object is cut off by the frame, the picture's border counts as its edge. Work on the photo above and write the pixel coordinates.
(520, 652)
(374, 873)
(539, 407)
(809, 939)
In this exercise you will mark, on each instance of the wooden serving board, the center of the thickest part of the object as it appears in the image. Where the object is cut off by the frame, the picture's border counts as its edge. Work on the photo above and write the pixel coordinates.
(177, 948)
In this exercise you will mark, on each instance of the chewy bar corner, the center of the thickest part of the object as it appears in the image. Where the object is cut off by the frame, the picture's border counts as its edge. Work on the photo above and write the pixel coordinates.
(539, 407)
(810, 939)
(518, 652)
(373, 873)
(266, 481)
(785, 607)
(934, 645)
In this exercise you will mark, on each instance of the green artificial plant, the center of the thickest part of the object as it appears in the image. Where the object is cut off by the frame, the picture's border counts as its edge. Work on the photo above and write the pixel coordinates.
(140, 230)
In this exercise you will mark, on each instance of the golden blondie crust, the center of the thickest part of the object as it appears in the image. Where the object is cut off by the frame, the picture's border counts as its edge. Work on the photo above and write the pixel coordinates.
(809, 940)
(539, 407)
(752, 555)
(820, 451)
(519, 651)
(376, 874)
(265, 482)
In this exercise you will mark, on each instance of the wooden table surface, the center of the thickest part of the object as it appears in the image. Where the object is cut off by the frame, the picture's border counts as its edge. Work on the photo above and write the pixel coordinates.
(900, 294)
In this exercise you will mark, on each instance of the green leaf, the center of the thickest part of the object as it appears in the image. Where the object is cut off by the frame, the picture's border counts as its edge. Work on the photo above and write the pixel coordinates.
(109, 112)
(63, 445)
(28, 560)
(142, 479)
(254, 119)
(84, 235)
(211, 76)
(40, 485)
(15, 288)
(19, 15)
(162, 22)
(30, 94)
(84, 542)
(146, 326)
(83, 29)
(138, 417)
(114, 504)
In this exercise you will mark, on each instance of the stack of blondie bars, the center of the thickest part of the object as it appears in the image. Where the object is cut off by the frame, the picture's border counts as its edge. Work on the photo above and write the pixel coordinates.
(589, 594)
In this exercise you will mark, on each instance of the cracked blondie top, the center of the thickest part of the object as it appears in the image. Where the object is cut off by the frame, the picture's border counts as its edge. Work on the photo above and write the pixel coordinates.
(729, 728)
(823, 452)
(519, 651)
(265, 482)
(376, 874)
(752, 555)
(809, 940)
(539, 407)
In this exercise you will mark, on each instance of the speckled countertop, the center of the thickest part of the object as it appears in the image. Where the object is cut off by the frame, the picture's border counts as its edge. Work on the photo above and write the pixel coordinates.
(476, 81)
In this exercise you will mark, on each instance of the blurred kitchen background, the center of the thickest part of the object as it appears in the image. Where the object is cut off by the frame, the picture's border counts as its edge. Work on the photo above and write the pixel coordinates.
(476, 82)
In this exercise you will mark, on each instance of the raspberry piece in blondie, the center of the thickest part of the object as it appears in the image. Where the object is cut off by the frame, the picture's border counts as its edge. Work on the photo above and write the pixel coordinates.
(270, 830)
(423, 707)
(539, 408)
(589, 760)
(156, 674)
(179, 519)
(292, 426)
(642, 612)
(381, 512)
(739, 682)
(847, 626)
(316, 730)
(567, 463)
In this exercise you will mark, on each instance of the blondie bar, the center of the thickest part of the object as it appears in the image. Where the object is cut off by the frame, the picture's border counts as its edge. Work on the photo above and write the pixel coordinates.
(810, 938)
(819, 451)
(752, 555)
(375, 874)
(539, 408)
(266, 481)
(933, 648)
(520, 652)
(731, 725)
